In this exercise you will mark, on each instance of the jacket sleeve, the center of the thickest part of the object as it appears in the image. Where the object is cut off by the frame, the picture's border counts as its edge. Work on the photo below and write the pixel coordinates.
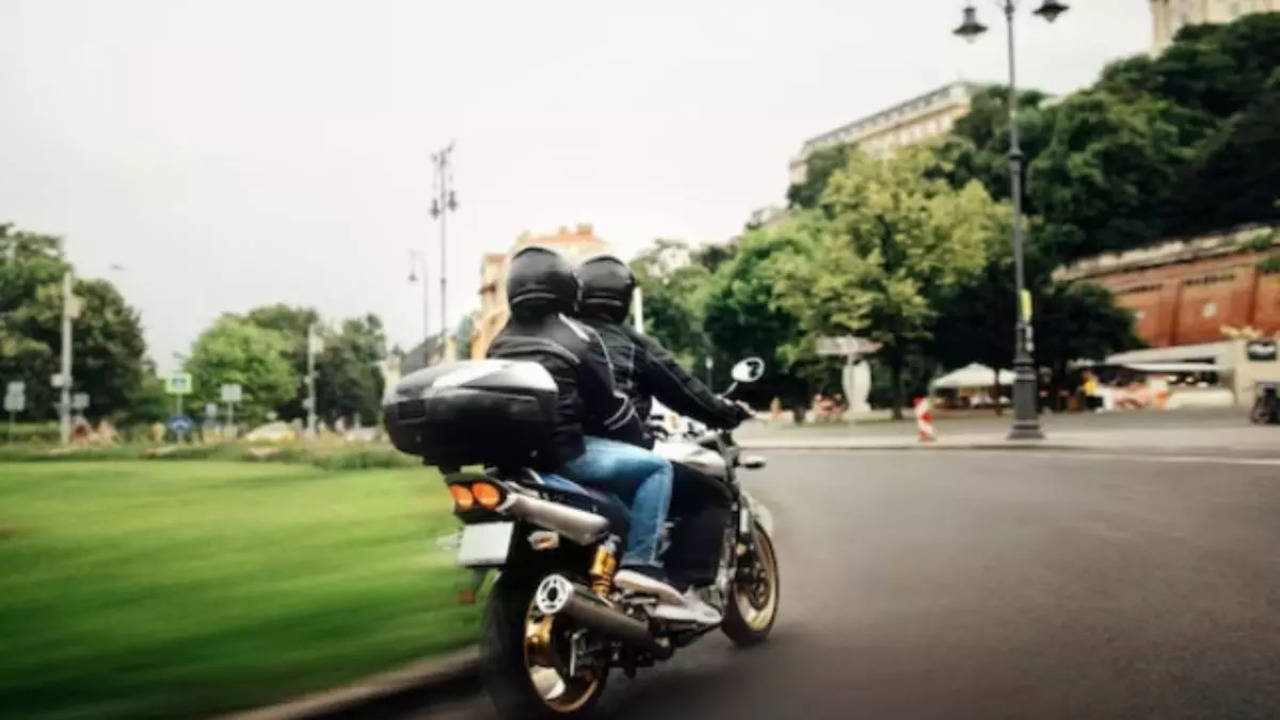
(610, 407)
(663, 378)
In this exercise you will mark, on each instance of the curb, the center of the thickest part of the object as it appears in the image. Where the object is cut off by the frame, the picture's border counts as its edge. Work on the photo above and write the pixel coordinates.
(425, 682)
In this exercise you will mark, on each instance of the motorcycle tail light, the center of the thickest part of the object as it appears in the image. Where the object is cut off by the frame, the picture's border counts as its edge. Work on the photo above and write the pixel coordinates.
(488, 496)
(462, 498)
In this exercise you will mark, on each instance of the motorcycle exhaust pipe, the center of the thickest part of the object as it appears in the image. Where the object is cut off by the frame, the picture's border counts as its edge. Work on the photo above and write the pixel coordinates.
(579, 526)
(558, 596)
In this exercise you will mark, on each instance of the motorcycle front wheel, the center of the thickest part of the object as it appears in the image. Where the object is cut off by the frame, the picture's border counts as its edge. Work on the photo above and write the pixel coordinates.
(753, 600)
(527, 658)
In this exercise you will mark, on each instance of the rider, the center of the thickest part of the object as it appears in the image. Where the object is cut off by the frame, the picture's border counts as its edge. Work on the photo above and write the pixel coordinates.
(642, 368)
(597, 432)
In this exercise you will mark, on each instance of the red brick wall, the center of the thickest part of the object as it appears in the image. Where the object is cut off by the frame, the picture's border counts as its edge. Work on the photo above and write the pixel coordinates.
(1187, 303)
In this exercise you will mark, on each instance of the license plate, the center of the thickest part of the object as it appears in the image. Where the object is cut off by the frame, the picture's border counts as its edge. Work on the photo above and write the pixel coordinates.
(485, 544)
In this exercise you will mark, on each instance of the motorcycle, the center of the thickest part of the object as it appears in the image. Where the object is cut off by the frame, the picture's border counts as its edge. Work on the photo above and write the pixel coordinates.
(559, 619)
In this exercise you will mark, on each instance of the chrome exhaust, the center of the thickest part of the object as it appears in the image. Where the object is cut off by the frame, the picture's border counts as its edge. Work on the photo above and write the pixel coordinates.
(579, 526)
(556, 595)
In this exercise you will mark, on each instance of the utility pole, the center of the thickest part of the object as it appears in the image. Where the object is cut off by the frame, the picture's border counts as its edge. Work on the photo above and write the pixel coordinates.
(443, 202)
(311, 380)
(64, 377)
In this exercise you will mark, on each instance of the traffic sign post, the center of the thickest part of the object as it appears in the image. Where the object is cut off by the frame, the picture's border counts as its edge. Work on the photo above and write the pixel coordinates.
(231, 394)
(177, 385)
(15, 401)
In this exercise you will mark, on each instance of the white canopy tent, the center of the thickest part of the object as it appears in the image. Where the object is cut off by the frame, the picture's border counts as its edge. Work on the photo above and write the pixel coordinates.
(973, 375)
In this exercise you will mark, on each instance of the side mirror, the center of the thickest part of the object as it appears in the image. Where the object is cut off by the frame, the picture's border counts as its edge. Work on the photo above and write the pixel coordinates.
(752, 462)
(748, 370)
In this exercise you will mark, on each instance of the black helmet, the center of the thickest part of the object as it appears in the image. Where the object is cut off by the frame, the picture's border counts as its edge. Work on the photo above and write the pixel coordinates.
(607, 286)
(541, 281)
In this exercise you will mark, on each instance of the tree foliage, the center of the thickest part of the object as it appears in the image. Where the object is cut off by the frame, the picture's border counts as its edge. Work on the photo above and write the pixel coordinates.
(894, 246)
(108, 350)
(819, 166)
(235, 350)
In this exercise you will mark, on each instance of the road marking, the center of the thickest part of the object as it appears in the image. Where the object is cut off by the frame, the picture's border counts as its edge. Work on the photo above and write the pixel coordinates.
(1081, 454)
(1087, 455)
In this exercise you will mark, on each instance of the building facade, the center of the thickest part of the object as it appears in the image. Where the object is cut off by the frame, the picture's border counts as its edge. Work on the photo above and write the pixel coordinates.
(914, 121)
(1169, 16)
(1209, 300)
(1192, 291)
(574, 244)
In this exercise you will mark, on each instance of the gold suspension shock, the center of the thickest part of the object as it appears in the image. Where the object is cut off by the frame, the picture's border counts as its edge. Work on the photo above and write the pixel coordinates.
(603, 566)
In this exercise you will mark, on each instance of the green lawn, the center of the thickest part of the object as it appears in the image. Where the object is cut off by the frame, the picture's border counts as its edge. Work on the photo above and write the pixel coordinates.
(136, 589)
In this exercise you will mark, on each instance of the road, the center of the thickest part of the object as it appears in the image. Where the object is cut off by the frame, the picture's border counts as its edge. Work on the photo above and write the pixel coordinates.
(991, 585)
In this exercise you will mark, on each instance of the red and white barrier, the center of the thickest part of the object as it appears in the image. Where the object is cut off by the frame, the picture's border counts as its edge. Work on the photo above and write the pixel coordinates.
(924, 421)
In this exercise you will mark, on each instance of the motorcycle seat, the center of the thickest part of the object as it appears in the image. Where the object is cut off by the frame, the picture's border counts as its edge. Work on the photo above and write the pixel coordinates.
(590, 499)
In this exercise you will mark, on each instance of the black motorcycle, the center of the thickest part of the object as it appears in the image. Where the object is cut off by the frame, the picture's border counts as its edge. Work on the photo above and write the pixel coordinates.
(558, 619)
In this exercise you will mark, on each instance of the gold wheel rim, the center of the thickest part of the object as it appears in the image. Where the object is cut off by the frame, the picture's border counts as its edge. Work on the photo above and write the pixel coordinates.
(544, 677)
(758, 618)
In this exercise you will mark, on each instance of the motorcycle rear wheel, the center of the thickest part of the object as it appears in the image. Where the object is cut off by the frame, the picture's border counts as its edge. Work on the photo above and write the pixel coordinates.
(753, 604)
(523, 663)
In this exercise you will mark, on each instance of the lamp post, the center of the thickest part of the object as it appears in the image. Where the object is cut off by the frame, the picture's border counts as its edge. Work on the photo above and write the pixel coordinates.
(1026, 422)
(443, 202)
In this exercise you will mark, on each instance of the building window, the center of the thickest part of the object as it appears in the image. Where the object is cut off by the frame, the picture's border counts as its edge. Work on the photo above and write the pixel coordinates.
(1209, 310)
(1210, 279)
(1138, 315)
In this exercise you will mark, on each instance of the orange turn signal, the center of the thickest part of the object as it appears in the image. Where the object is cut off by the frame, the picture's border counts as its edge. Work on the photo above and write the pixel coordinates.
(462, 498)
(489, 496)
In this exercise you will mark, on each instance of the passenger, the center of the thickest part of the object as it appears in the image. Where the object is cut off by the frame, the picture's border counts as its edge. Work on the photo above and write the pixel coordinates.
(597, 433)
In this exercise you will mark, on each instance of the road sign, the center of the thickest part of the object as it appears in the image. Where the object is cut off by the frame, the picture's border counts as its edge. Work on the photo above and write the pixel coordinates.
(211, 410)
(846, 345)
(56, 380)
(15, 396)
(181, 424)
(79, 401)
(231, 393)
(178, 383)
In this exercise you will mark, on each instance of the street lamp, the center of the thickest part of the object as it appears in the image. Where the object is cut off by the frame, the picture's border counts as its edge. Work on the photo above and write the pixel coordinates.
(443, 202)
(1026, 423)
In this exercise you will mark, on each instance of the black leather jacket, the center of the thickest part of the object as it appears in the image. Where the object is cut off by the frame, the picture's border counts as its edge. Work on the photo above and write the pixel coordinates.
(589, 402)
(643, 370)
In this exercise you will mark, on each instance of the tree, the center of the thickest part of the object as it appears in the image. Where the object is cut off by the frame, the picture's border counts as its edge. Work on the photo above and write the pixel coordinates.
(1109, 168)
(291, 323)
(235, 350)
(675, 295)
(1235, 178)
(819, 166)
(1079, 321)
(894, 244)
(977, 148)
(348, 382)
(747, 312)
(107, 345)
(1072, 321)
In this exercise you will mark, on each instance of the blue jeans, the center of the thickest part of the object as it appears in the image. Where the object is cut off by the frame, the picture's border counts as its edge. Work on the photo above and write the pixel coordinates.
(640, 478)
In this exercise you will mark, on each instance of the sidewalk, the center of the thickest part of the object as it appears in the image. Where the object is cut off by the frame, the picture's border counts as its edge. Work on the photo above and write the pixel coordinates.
(1213, 433)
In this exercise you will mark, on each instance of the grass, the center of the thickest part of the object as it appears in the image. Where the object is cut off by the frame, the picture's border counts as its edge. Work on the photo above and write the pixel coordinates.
(134, 589)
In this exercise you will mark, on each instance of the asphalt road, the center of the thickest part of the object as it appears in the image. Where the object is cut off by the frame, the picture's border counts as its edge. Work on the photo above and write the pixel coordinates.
(993, 585)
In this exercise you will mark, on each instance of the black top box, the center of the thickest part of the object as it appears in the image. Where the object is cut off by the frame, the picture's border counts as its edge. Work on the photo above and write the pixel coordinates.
(490, 412)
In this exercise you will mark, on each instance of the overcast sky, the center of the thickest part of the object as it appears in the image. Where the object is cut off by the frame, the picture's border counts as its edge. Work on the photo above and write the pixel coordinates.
(229, 154)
